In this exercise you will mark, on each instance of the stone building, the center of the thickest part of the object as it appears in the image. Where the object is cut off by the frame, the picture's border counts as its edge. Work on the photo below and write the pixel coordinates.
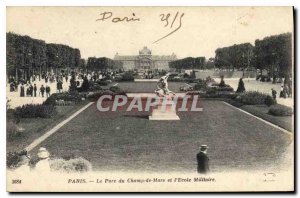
(145, 61)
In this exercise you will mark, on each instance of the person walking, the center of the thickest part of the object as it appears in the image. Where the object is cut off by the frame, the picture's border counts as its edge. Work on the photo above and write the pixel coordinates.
(34, 90)
(22, 93)
(42, 90)
(31, 90)
(59, 86)
(274, 94)
(47, 91)
(203, 160)
(281, 94)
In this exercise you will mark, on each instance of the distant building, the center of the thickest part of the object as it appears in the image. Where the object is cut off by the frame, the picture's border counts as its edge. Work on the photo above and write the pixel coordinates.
(145, 61)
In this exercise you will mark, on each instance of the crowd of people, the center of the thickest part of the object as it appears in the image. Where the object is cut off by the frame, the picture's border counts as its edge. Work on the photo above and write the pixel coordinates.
(30, 87)
(39, 85)
(285, 90)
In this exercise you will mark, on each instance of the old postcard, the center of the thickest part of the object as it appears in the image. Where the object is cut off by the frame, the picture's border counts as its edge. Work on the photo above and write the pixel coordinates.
(149, 99)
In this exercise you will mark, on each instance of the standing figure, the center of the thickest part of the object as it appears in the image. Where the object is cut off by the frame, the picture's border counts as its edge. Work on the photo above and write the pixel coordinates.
(286, 90)
(22, 93)
(47, 91)
(281, 94)
(274, 94)
(42, 90)
(34, 90)
(203, 160)
(31, 90)
(59, 86)
(46, 79)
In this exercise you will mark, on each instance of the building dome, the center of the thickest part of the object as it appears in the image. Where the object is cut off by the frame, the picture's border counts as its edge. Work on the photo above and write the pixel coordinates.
(145, 51)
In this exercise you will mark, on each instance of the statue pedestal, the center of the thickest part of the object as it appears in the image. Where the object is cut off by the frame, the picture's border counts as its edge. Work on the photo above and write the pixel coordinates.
(164, 112)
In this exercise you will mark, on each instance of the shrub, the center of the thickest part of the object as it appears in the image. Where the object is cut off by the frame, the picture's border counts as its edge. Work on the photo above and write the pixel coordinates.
(201, 85)
(70, 166)
(117, 90)
(102, 82)
(241, 87)
(253, 98)
(280, 110)
(13, 159)
(51, 100)
(269, 100)
(192, 93)
(127, 76)
(73, 97)
(191, 80)
(211, 90)
(35, 111)
(229, 95)
(95, 87)
(226, 88)
(85, 85)
(93, 96)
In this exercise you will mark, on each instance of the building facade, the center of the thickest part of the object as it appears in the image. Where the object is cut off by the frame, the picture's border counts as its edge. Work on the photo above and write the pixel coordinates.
(145, 61)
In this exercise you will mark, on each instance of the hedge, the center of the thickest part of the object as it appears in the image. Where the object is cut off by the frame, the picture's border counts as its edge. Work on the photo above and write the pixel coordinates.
(73, 97)
(13, 159)
(280, 110)
(35, 111)
(255, 98)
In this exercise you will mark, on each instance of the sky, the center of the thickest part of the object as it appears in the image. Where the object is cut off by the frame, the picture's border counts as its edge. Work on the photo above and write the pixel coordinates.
(200, 30)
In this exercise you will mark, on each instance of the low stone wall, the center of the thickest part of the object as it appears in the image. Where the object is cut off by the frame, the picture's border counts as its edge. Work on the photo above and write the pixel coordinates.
(202, 74)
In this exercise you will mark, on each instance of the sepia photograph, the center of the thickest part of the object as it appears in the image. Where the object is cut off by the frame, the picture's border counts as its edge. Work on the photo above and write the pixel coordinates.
(150, 99)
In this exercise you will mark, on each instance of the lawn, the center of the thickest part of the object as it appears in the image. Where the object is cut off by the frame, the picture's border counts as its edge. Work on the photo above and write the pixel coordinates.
(35, 127)
(262, 111)
(126, 141)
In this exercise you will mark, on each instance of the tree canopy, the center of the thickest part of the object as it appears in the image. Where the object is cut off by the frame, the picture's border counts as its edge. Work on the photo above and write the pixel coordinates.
(235, 56)
(103, 63)
(24, 52)
(188, 63)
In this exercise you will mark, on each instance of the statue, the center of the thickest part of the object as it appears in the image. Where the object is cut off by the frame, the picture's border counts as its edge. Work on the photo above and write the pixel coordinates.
(166, 108)
(162, 86)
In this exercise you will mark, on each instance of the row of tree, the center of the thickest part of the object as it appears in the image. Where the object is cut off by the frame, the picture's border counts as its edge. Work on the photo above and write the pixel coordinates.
(188, 63)
(103, 64)
(26, 56)
(235, 56)
(273, 54)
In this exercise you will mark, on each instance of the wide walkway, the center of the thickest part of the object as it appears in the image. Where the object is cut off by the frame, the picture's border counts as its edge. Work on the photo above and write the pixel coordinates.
(16, 100)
